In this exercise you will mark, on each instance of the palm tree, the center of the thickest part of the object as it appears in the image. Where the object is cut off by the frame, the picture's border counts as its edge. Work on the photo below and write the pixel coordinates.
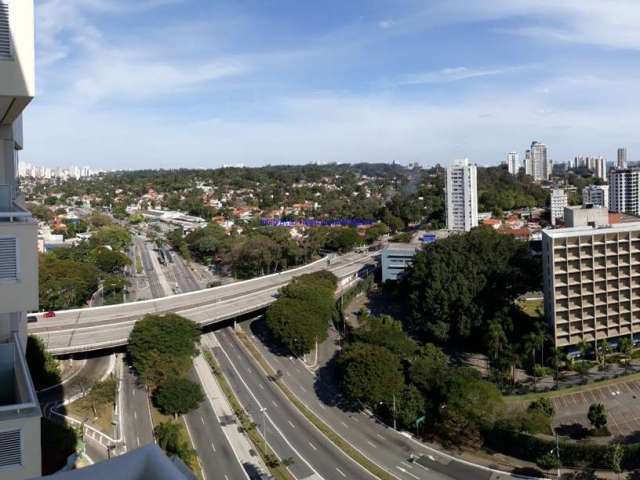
(605, 349)
(584, 349)
(529, 347)
(495, 340)
(625, 348)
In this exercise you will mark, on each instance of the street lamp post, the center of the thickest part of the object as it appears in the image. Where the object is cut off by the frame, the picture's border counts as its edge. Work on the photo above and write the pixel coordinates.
(263, 410)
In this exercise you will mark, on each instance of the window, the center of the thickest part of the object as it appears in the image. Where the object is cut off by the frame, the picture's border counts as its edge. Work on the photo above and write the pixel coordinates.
(8, 258)
(5, 32)
(10, 449)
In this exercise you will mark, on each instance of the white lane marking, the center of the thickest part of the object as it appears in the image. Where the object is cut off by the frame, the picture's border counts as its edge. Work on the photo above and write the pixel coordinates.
(266, 414)
(135, 415)
(133, 392)
(261, 386)
(226, 477)
(303, 389)
(355, 419)
(406, 464)
(213, 447)
(404, 470)
(274, 404)
(344, 424)
(372, 444)
(312, 445)
(380, 436)
(138, 440)
(322, 406)
(341, 472)
(292, 425)
(201, 418)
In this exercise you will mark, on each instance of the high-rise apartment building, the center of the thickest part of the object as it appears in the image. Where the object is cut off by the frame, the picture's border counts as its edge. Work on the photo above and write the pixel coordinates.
(557, 202)
(622, 157)
(592, 282)
(462, 196)
(623, 190)
(540, 164)
(513, 163)
(528, 166)
(596, 195)
(20, 414)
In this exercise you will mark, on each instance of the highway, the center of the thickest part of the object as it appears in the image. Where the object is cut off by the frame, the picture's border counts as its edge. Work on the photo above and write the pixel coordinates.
(216, 455)
(385, 446)
(136, 417)
(287, 431)
(150, 272)
(73, 331)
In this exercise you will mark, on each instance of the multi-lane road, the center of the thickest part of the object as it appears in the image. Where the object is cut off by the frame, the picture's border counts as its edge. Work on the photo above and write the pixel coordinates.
(73, 331)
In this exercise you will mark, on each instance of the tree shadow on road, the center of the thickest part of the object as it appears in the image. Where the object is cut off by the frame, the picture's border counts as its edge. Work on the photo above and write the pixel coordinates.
(327, 390)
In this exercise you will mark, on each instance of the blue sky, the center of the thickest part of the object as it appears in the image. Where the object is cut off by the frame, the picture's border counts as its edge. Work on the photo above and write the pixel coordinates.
(198, 83)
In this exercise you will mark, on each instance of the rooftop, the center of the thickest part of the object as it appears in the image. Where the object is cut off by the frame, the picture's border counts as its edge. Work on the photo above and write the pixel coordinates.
(572, 231)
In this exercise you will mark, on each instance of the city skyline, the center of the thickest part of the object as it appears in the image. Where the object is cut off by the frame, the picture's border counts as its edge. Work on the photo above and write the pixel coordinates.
(359, 82)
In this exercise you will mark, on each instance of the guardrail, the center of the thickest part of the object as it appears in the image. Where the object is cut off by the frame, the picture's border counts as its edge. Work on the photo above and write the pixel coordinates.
(208, 320)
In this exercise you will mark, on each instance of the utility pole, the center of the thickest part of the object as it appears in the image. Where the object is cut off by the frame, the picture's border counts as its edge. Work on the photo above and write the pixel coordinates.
(264, 426)
(557, 450)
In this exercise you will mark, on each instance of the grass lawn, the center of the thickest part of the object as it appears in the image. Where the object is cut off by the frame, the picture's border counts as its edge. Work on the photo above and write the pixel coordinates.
(533, 308)
(83, 411)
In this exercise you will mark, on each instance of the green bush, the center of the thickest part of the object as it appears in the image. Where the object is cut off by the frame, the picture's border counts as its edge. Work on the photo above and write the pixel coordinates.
(44, 368)
(179, 396)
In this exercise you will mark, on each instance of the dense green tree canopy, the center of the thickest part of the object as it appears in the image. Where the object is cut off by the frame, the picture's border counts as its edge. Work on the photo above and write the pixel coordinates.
(161, 347)
(302, 313)
(458, 284)
(370, 374)
(178, 396)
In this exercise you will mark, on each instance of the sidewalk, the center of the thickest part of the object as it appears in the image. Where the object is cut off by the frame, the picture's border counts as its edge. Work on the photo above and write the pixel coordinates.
(239, 443)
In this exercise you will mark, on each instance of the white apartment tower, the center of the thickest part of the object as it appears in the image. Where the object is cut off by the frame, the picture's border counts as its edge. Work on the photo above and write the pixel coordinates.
(623, 191)
(622, 157)
(528, 167)
(540, 165)
(596, 195)
(20, 414)
(557, 202)
(462, 196)
(513, 163)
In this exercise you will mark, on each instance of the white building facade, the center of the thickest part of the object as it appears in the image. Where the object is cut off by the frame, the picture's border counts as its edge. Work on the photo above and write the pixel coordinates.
(623, 191)
(461, 191)
(20, 415)
(596, 195)
(540, 164)
(557, 202)
(592, 282)
(513, 163)
(622, 157)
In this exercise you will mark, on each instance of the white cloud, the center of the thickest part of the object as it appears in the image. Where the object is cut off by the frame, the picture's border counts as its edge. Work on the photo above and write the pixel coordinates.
(453, 74)
(328, 128)
(594, 22)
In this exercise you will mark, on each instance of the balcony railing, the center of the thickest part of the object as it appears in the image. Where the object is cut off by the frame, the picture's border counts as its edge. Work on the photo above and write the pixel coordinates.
(15, 213)
(25, 400)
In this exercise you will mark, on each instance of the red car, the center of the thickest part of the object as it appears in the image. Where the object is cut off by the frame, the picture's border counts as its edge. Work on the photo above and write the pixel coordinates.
(50, 314)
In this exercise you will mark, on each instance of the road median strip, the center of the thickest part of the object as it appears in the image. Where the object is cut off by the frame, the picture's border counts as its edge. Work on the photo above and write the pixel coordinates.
(327, 431)
(278, 471)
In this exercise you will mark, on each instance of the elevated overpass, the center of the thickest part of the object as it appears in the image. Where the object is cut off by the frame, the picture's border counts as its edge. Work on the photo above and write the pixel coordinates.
(89, 329)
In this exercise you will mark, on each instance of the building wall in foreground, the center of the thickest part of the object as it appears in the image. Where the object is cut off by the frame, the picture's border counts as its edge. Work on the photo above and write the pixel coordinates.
(592, 282)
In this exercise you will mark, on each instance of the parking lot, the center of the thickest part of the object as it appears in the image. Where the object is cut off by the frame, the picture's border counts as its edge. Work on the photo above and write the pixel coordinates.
(621, 400)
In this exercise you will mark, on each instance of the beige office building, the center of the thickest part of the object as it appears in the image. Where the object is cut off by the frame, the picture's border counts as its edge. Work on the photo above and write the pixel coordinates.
(592, 282)
(20, 456)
